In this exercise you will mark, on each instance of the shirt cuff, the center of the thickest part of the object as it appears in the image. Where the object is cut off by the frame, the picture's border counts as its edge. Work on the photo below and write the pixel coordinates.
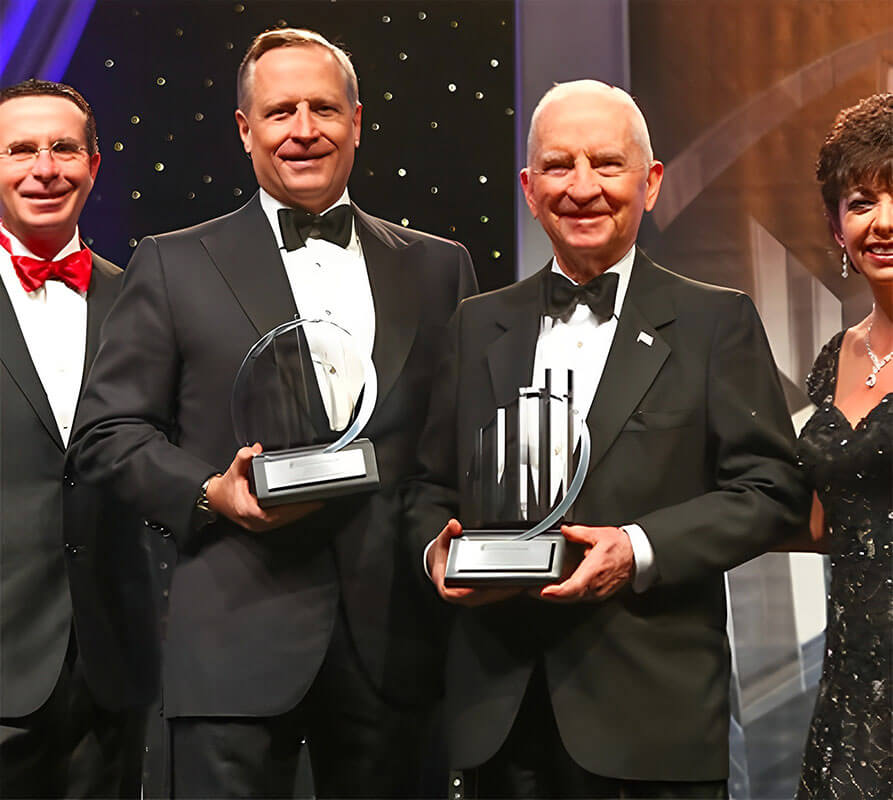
(643, 556)
(425, 559)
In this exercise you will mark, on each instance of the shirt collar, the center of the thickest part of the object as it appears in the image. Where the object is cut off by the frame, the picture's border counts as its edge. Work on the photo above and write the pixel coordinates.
(18, 249)
(271, 206)
(624, 270)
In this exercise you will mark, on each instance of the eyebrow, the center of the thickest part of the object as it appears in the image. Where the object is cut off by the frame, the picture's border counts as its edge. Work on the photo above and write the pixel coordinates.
(66, 139)
(597, 155)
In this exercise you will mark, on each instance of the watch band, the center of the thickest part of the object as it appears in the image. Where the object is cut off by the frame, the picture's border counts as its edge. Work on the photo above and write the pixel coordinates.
(204, 514)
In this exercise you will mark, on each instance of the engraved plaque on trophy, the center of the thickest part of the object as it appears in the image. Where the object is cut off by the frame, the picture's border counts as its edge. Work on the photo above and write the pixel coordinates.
(305, 392)
(521, 483)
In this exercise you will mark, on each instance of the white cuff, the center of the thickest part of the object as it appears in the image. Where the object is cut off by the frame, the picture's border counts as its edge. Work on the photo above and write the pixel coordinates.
(643, 556)
(425, 559)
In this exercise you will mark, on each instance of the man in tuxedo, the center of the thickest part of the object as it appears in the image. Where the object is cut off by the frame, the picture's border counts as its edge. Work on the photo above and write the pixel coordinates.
(70, 695)
(614, 681)
(304, 619)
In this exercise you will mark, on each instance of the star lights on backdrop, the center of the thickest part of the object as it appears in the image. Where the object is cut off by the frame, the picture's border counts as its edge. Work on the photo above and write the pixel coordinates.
(436, 83)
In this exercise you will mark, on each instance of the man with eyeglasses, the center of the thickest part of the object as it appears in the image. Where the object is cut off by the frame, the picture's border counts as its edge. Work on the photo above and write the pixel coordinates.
(613, 682)
(78, 652)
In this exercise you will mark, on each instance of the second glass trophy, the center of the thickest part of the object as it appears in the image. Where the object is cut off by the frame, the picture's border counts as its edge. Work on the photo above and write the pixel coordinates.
(521, 483)
(305, 392)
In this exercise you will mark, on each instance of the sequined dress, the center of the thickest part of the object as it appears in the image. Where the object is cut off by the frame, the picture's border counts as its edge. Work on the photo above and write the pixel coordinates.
(849, 752)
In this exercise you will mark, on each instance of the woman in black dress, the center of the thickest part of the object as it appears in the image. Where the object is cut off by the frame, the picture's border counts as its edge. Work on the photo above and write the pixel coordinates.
(846, 449)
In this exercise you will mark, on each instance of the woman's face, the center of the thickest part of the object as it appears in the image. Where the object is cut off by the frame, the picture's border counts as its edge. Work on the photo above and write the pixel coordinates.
(865, 229)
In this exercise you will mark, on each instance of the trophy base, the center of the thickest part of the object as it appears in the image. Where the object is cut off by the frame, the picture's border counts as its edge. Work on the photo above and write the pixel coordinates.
(480, 559)
(308, 473)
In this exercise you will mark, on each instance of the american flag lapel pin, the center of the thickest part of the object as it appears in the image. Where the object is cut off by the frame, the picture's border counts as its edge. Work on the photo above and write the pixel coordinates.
(647, 338)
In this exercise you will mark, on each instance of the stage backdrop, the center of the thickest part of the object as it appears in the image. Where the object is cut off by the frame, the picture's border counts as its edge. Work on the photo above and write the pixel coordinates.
(436, 83)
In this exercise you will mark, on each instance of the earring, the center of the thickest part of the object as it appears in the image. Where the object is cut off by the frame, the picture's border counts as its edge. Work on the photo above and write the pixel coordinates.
(843, 263)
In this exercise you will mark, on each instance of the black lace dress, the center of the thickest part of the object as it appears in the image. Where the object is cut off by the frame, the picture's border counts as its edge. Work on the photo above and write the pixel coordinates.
(849, 753)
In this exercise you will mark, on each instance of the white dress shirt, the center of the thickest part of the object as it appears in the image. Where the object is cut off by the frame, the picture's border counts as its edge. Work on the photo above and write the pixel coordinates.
(53, 322)
(331, 283)
(582, 345)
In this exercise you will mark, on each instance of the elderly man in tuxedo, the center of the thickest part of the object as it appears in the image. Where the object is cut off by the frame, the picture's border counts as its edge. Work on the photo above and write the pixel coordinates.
(77, 639)
(298, 620)
(614, 681)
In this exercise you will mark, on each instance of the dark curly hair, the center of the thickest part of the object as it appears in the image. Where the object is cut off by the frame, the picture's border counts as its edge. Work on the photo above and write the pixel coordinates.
(857, 151)
(36, 87)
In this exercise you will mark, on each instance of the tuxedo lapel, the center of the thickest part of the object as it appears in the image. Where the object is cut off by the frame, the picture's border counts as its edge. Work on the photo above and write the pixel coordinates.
(244, 251)
(637, 354)
(100, 295)
(17, 360)
(510, 355)
(395, 294)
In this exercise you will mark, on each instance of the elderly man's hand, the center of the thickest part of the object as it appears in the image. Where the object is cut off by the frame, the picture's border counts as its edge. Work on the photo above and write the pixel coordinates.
(437, 559)
(230, 495)
(607, 565)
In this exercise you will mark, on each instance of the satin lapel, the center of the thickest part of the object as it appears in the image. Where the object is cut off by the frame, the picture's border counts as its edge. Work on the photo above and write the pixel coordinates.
(395, 293)
(101, 294)
(632, 363)
(244, 251)
(510, 356)
(17, 360)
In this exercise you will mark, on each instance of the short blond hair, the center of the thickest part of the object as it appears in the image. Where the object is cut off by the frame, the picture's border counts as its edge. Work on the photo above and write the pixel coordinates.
(291, 37)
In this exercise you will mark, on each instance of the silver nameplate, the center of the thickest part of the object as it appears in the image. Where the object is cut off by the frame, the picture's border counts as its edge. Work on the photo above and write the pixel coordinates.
(310, 468)
(489, 555)
(486, 559)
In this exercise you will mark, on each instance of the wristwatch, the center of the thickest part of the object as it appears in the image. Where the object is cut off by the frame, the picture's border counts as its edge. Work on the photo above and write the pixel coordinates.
(204, 514)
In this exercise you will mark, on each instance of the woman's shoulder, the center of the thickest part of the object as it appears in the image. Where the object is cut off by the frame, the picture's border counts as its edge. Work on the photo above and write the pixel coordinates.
(822, 378)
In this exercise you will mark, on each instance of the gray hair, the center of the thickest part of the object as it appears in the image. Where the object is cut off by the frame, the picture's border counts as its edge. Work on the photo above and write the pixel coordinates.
(589, 86)
(291, 37)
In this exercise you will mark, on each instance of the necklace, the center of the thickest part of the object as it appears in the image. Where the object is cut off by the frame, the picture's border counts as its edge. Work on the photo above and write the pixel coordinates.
(877, 363)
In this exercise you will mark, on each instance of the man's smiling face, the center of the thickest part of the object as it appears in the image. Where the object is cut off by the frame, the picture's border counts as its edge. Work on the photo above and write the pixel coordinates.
(41, 198)
(300, 129)
(589, 180)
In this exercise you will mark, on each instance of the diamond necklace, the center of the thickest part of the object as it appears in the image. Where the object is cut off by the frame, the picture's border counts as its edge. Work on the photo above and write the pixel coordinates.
(877, 363)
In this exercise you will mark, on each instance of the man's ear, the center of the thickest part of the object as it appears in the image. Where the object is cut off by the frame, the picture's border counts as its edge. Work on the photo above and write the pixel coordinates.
(652, 184)
(524, 176)
(94, 164)
(244, 130)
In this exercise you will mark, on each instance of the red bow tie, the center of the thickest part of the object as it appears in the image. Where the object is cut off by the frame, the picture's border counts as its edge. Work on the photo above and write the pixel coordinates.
(74, 270)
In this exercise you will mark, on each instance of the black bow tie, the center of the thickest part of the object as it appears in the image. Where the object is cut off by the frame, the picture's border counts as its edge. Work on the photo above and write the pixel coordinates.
(298, 225)
(563, 297)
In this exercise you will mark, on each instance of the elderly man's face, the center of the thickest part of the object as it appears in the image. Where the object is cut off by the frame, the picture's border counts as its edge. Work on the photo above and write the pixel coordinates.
(300, 131)
(589, 182)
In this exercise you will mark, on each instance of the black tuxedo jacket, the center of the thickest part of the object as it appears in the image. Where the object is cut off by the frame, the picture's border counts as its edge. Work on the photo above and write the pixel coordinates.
(61, 544)
(691, 439)
(250, 615)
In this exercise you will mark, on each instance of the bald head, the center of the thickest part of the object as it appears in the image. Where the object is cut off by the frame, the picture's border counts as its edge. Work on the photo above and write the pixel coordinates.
(596, 93)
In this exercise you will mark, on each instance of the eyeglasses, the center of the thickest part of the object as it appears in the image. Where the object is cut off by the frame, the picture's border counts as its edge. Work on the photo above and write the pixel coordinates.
(26, 152)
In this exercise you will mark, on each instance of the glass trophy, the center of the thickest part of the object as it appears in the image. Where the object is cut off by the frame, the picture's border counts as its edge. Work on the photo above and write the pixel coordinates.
(521, 483)
(305, 392)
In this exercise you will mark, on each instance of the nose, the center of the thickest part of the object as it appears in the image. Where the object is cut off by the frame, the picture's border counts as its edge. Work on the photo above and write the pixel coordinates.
(303, 125)
(584, 183)
(44, 167)
(883, 221)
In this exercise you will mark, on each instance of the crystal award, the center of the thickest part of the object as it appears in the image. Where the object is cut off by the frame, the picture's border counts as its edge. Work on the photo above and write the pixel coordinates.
(521, 483)
(305, 391)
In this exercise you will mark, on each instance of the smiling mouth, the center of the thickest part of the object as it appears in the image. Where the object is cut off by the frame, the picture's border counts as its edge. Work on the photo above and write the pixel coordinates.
(303, 159)
(45, 198)
(880, 249)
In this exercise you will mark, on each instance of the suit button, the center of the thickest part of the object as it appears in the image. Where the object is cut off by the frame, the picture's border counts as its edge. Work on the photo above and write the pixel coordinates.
(71, 549)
